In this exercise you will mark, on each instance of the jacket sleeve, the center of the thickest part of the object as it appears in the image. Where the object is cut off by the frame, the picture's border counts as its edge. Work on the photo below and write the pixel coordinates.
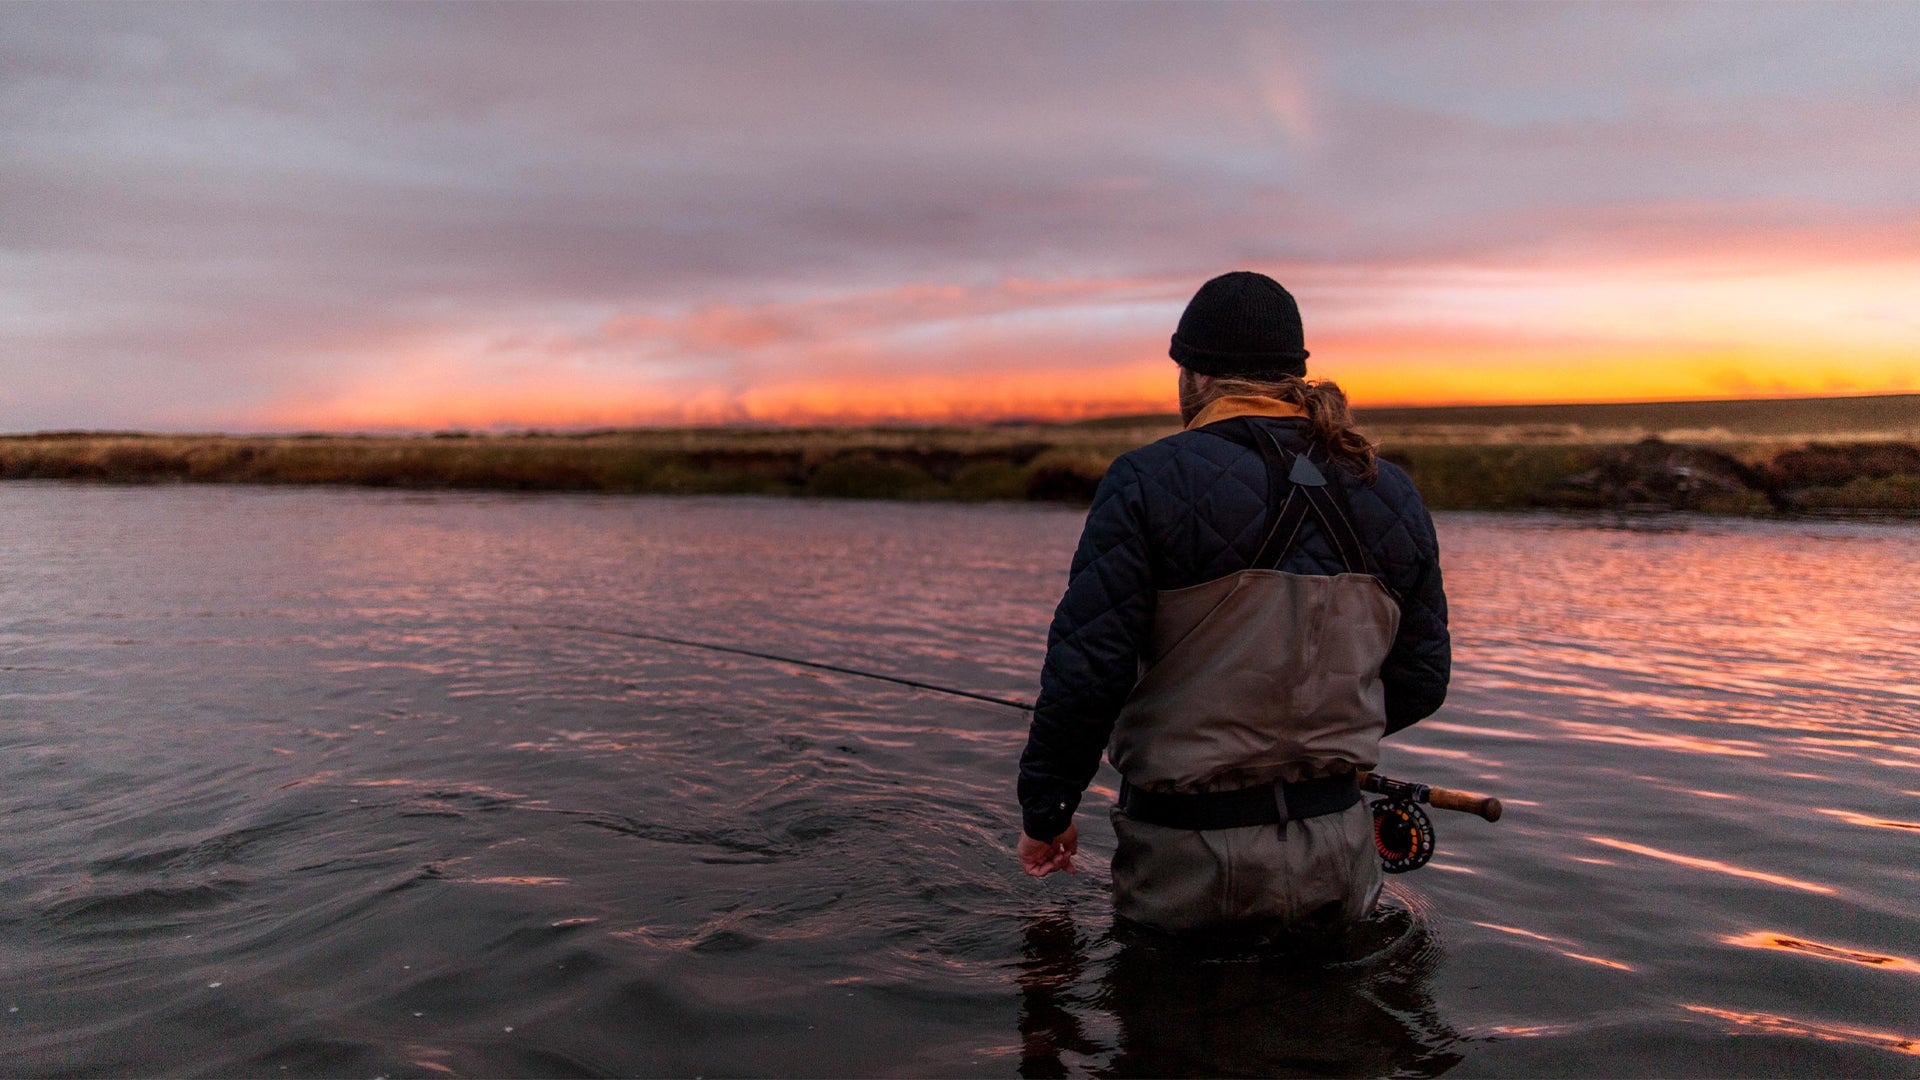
(1417, 668)
(1093, 649)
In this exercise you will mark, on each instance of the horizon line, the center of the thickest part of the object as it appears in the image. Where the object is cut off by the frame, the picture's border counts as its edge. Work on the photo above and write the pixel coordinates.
(905, 422)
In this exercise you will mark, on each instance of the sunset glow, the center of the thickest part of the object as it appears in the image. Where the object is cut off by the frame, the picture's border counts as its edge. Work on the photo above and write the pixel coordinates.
(269, 218)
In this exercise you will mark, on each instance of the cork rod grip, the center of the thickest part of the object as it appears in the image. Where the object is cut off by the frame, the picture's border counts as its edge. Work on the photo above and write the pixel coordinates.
(1466, 802)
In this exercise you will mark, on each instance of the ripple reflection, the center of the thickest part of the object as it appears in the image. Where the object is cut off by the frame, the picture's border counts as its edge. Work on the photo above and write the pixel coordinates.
(1714, 865)
(1768, 1023)
(1767, 939)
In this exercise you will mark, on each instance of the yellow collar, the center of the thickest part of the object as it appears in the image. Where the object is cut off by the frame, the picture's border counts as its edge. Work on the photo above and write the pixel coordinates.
(1233, 405)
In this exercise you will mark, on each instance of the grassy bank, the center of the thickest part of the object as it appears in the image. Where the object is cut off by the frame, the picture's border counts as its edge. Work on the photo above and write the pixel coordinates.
(872, 463)
(1828, 456)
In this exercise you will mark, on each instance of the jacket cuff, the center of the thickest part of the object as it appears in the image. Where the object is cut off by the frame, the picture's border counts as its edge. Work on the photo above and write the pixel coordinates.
(1045, 820)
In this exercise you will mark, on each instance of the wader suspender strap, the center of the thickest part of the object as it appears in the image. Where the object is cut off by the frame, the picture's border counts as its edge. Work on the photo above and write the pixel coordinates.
(1306, 488)
(1290, 511)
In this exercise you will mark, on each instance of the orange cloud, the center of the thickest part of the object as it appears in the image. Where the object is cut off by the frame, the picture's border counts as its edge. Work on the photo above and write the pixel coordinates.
(1630, 330)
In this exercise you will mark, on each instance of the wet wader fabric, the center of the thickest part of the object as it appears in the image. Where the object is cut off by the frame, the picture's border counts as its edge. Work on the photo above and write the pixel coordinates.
(1257, 677)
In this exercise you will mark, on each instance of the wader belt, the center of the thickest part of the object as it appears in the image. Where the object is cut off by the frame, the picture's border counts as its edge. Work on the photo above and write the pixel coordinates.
(1263, 804)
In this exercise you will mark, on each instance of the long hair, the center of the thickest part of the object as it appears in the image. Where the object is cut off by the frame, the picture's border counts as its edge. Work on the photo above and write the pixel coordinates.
(1324, 401)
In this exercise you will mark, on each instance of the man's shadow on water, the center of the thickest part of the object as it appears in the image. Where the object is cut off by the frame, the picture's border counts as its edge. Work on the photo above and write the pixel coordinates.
(1357, 1004)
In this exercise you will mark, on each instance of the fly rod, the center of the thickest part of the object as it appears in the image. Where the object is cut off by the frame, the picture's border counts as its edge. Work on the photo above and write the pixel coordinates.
(796, 661)
(1398, 790)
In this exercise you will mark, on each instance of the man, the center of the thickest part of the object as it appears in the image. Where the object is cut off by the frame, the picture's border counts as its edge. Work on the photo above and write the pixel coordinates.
(1254, 603)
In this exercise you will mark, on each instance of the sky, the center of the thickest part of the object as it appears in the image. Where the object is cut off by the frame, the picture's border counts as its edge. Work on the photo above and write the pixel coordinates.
(398, 217)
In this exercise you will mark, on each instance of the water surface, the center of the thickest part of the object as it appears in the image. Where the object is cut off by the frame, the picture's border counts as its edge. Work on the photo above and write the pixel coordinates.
(310, 782)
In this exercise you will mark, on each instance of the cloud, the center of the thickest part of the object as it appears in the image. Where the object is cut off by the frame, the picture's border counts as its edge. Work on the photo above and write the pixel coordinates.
(211, 216)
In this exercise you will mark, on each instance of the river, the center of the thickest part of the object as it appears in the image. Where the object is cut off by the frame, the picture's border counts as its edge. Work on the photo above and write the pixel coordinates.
(306, 782)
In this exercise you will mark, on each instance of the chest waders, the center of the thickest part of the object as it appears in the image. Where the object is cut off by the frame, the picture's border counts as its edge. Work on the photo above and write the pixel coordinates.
(1258, 700)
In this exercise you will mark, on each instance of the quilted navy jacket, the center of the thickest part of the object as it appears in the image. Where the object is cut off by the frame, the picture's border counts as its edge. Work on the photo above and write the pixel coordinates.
(1186, 510)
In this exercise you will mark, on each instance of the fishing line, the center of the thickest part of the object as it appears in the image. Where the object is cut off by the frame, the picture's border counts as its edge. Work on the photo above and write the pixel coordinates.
(1401, 830)
(710, 646)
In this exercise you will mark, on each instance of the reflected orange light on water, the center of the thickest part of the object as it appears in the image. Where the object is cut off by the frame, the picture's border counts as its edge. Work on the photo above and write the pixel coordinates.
(1713, 865)
(1767, 939)
(1621, 735)
(1756, 1023)
(1528, 1031)
(1474, 729)
(1869, 821)
(1444, 752)
(1602, 961)
(1518, 932)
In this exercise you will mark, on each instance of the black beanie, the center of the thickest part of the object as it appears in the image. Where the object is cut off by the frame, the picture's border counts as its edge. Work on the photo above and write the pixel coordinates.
(1241, 323)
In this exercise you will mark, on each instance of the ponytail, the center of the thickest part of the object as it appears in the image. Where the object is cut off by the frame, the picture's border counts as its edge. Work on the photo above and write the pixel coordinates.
(1327, 410)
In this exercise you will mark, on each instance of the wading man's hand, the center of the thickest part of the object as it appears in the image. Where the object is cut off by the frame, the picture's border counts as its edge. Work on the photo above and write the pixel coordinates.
(1040, 858)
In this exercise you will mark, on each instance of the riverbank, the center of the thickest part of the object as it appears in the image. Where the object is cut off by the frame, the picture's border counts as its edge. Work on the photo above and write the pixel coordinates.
(1836, 455)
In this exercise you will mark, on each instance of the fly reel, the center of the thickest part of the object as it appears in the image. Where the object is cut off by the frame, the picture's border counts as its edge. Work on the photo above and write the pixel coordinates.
(1403, 834)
